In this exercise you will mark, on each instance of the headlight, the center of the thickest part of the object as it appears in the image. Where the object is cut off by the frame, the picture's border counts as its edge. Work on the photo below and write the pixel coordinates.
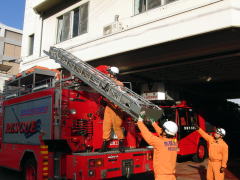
(73, 111)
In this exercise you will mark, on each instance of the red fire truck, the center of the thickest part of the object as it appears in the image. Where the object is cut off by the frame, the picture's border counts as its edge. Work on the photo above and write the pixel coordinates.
(53, 129)
(190, 142)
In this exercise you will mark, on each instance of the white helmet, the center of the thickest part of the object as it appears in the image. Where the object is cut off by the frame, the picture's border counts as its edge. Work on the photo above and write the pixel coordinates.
(221, 131)
(170, 127)
(114, 70)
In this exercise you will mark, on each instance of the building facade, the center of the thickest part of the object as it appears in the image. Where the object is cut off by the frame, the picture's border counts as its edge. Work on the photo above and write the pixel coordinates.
(10, 52)
(136, 35)
(10, 43)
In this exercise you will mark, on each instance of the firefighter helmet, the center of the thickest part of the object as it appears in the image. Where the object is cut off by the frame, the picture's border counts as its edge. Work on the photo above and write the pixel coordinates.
(170, 128)
(221, 131)
(113, 70)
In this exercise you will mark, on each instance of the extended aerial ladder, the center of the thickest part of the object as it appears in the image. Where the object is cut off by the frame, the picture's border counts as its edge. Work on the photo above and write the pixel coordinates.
(125, 98)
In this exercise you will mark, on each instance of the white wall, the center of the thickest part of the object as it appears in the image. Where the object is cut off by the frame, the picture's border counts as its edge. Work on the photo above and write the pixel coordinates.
(176, 20)
(3, 78)
(32, 25)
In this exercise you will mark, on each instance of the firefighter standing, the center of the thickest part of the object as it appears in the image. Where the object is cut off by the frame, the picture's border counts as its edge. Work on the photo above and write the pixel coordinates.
(218, 153)
(165, 148)
(112, 117)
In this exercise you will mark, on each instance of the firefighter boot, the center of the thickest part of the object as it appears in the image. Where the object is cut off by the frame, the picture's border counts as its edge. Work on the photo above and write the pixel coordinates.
(121, 146)
(104, 146)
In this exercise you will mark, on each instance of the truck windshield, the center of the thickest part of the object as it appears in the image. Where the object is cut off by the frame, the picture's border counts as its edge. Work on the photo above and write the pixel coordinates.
(169, 114)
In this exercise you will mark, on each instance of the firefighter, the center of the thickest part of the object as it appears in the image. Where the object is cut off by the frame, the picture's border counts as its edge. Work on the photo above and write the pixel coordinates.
(165, 147)
(112, 117)
(218, 153)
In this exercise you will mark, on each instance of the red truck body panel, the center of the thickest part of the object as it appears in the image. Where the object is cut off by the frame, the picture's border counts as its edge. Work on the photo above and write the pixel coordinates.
(28, 125)
(108, 165)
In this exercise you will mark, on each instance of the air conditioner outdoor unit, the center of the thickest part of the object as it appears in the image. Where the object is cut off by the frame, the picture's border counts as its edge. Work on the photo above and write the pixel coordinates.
(107, 30)
(112, 28)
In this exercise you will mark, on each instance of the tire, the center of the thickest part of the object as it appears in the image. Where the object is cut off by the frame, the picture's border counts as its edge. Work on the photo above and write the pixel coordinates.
(30, 170)
(201, 153)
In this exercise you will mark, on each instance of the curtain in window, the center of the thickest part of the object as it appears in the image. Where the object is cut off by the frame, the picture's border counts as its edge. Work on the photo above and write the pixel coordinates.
(140, 6)
(83, 26)
(60, 26)
(153, 3)
(66, 26)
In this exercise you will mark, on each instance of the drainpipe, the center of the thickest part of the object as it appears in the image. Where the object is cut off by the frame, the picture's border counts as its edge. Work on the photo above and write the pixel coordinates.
(40, 51)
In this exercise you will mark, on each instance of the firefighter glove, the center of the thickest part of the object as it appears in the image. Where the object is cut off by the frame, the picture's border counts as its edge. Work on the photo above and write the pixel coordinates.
(196, 126)
(222, 170)
(141, 115)
(152, 120)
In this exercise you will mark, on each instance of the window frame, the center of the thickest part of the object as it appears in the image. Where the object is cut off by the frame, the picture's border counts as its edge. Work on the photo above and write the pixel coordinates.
(162, 3)
(71, 23)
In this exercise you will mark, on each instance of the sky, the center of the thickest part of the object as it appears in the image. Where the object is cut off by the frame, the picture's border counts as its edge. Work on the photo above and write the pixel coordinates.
(12, 13)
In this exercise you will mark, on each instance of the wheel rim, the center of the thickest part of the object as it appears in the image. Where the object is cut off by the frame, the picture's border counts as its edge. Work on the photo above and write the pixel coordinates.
(201, 151)
(30, 172)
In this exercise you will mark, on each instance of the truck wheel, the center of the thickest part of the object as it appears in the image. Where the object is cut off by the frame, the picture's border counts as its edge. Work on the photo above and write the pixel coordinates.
(201, 152)
(30, 170)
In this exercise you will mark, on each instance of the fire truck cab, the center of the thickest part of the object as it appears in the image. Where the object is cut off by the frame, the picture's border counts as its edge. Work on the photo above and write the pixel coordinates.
(190, 141)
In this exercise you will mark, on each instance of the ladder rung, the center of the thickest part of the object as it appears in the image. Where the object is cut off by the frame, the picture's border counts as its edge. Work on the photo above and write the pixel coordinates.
(125, 98)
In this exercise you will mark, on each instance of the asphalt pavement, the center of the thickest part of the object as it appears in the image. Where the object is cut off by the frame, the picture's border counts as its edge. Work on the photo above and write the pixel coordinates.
(6, 174)
(186, 170)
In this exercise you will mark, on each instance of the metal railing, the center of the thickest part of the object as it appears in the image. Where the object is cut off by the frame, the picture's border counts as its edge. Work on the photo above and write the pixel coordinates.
(14, 91)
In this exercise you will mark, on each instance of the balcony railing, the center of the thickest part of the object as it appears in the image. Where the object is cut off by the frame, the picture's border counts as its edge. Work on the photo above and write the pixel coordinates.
(13, 91)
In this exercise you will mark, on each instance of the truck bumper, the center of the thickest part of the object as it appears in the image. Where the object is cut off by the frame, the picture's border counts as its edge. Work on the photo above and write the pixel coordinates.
(94, 165)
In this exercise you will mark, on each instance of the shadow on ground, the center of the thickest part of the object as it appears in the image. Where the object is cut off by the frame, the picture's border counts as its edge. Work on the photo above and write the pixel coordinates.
(234, 153)
(6, 174)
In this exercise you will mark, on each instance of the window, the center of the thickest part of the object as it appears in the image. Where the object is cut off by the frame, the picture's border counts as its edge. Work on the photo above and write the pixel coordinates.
(153, 3)
(169, 114)
(12, 50)
(73, 23)
(183, 121)
(144, 5)
(64, 27)
(31, 44)
(169, 1)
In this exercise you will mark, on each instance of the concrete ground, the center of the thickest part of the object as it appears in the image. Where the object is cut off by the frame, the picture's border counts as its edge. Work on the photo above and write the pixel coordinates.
(193, 171)
(186, 170)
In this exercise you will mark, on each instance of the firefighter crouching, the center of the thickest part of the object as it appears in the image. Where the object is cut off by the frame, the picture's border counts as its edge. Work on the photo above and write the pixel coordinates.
(112, 117)
(165, 147)
(218, 153)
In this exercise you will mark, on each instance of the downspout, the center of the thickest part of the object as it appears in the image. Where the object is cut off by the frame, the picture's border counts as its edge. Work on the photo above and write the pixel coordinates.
(40, 51)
